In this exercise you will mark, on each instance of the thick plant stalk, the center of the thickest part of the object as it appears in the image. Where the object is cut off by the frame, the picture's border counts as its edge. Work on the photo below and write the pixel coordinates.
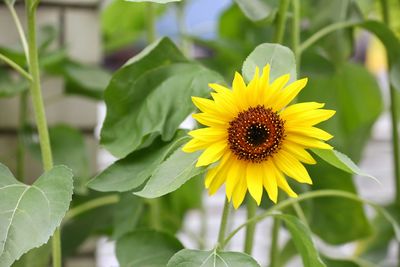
(40, 116)
(281, 22)
(151, 24)
(250, 229)
(223, 225)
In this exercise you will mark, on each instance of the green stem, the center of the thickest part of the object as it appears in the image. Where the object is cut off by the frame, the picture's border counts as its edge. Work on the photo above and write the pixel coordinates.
(151, 25)
(23, 104)
(309, 195)
(250, 229)
(20, 30)
(155, 213)
(16, 67)
(223, 225)
(281, 21)
(92, 204)
(41, 122)
(185, 43)
(296, 32)
(274, 251)
(323, 32)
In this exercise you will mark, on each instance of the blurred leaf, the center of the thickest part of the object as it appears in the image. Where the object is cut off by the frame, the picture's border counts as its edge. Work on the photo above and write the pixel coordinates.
(341, 161)
(69, 148)
(213, 258)
(127, 214)
(331, 262)
(30, 214)
(37, 257)
(375, 248)
(258, 10)
(146, 248)
(280, 58)
(10, 2)
(151, 95)
(301, 237)
(132, 171)
(171, 174)
(86, 80)
(9, 86)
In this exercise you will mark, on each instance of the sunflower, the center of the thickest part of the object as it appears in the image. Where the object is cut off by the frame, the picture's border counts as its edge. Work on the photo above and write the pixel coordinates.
(255, 138)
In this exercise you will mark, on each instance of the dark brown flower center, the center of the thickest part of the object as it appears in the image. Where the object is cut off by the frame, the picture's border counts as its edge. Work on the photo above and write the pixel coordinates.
(255, 134)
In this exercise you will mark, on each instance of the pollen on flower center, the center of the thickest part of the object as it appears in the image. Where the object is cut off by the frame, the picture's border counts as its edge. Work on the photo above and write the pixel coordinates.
(255, 134)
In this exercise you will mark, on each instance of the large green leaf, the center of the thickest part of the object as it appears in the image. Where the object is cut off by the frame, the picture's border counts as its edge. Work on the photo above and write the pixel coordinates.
(30, 214)
(301, 237)
(258, 10)
(146, 248)
(171, 174)
(332, 262)
(340, 161)
(132, 171)
(151, 95)
(37, 257)
(280, 58)
(214, 258)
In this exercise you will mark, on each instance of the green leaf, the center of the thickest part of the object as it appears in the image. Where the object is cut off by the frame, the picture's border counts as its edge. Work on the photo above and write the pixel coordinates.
(146, 248)
(151, 95)
(132, 171)
(341, 161)
(332, 262)
(30, 214)
(257, 10)
(280, 58)
(10, 2)
(9, 86)
(155, 1)
(172, 174)
(301, 237)
(127, 214)
(86, 80)
(214, 258)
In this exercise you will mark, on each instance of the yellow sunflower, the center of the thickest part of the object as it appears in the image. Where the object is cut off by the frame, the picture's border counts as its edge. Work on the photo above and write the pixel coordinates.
(255, 138)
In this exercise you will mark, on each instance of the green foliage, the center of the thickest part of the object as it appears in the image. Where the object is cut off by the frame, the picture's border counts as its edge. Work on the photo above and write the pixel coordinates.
(155, 1)
(153, 79)
(258, 10)
(30, 214)
(10, 86)
(214, 258)
(280, 58)
(37, 257)
(146, 248)
(301, 237)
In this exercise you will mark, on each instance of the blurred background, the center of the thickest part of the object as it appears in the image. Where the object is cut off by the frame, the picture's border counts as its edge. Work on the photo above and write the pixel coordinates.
(83, 42)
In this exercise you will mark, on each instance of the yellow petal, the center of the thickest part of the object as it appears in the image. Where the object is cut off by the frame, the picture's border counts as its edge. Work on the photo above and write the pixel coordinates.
(264, 80)
(309, 118)
(222, 174)
(309, 132)
(269, 180)
(225, 105)
(194, 145)
(239, 90)
(212, 154)
(204, 104)
(307, 142)
(283, 184)
(253, 91)
(298, 152)
(220, 89)
(291, 167)
(210, 120)
(239, 192)
(289, 93)
(274, 90)
(299, 108)
(210, 134)
(235, 173)
(210, 176)
(254, 179)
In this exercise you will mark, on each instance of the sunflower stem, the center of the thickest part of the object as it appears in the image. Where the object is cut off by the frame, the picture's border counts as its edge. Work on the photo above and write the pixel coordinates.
(281, 21)
(40, 116)
(223, 225)
(296, 32)
(23, 104)
(184, 41)
(90, 205)
(274, 251)
(250, 229)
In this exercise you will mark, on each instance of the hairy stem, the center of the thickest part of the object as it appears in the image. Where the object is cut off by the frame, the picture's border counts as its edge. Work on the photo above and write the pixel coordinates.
(16, 67)
(281, 21)
(151, 25)
(90, 205)
(274, 251)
